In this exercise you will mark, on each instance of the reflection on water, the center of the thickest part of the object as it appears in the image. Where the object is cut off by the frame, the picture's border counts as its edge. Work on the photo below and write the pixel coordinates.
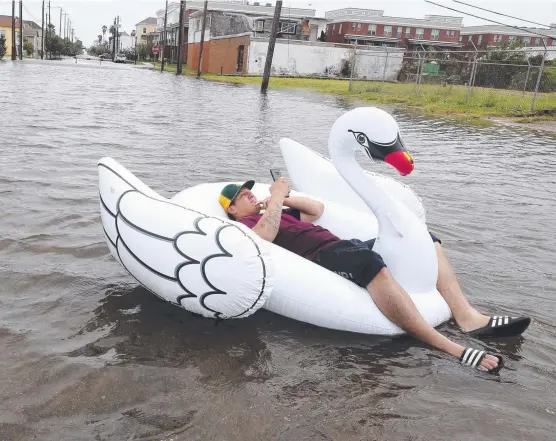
(87, 354)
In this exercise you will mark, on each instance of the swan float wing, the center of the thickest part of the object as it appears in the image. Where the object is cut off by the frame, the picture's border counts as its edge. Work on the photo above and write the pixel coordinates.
(207, 265)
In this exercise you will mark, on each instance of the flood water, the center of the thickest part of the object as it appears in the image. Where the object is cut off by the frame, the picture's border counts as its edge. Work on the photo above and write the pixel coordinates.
(87, 354)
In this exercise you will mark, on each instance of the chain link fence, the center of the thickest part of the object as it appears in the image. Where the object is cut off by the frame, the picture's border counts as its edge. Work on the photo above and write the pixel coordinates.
(515, 81)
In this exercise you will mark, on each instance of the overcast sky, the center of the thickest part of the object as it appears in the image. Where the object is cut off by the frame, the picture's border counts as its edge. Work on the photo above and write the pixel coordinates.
(88, 16)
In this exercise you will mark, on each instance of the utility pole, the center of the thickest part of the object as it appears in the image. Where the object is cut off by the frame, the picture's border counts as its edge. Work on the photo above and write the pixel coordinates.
(42, 35)
(65, 25)
(72, 30)
(117, 35)
(60, 28)
(164, 37)
(49, 28)
(180, 39)
(114, 42)
(271, 46)
(13, 31)
(202, 40)
(20, 29)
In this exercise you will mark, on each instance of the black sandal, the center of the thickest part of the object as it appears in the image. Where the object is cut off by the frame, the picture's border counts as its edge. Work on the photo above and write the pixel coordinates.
(473, 357)
(499, 326)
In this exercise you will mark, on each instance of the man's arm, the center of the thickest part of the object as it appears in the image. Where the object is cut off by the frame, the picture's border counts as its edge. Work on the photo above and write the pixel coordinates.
(310, 210)
(268, 226)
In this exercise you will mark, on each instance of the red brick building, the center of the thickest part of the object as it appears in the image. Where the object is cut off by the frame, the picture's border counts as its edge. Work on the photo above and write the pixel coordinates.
(371, 27)
(493, 35)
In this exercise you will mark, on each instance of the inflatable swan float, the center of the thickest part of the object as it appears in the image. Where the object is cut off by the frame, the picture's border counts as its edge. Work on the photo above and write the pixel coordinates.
(186, 251)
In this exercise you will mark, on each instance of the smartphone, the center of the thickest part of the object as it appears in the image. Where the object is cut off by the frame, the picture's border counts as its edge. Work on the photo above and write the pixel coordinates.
(276, 173)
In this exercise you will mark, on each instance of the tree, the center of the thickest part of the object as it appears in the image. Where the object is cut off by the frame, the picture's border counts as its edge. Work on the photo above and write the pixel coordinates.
(99, 39)
(322, 36)
(498, 67)
(29, 48)
(145, 51)
(2, 46)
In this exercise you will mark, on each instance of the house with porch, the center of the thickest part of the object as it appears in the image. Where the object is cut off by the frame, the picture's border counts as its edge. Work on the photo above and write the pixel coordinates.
(230, 27)
(6, 31)
(32, 33)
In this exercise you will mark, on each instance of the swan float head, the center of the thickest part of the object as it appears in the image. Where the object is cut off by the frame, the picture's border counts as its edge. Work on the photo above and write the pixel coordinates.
(374, 131)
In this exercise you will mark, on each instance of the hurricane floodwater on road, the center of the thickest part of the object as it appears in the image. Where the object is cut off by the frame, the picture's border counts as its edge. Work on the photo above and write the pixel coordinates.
(86, 353)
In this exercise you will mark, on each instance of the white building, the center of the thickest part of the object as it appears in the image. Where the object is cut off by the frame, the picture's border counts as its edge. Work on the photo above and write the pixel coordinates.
(126, 41)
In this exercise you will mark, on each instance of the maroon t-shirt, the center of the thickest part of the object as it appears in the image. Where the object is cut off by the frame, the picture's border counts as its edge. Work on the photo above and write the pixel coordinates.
(302, 238)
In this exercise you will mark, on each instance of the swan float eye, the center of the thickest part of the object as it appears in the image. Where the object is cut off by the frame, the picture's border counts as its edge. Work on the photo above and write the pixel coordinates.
(361, 138)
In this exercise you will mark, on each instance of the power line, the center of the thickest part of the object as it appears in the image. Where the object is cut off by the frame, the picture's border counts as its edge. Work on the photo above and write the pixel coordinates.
(492, 21)
(29, 13)
(499, 13)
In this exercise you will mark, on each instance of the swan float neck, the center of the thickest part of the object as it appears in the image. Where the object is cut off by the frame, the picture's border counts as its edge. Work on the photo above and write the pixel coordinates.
(403, 240)
(376, 133)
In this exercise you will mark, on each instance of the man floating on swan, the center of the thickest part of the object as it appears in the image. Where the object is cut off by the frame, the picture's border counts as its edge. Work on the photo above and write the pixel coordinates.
(399, 252)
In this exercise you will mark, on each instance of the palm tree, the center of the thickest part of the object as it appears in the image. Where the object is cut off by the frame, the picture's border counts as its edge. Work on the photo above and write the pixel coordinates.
(104, 29)
(99, 39)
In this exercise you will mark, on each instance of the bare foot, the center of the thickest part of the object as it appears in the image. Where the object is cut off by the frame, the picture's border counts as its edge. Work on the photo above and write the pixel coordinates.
(488, 363)
(473, 320)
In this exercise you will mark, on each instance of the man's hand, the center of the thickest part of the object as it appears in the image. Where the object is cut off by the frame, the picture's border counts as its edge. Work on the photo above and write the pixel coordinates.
(280, 188)
(264, 203)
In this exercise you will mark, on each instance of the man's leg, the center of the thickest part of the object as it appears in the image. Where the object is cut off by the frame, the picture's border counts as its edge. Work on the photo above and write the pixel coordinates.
(396, 304)
(466, 317)
(363, 266)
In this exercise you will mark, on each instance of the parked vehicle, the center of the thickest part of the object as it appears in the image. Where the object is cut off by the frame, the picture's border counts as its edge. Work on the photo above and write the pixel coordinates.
(120, 58)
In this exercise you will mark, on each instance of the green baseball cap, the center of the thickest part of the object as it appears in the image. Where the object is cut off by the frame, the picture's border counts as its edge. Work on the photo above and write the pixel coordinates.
(229, 193)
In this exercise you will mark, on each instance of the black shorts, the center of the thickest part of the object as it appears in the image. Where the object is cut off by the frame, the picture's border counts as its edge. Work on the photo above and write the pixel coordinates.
(354, 260)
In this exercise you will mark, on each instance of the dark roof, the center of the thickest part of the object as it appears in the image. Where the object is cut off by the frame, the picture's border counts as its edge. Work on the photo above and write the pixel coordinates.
(147, 21)
(6, 21)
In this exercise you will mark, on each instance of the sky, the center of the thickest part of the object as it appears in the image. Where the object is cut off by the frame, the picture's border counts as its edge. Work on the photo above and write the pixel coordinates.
(89, 16)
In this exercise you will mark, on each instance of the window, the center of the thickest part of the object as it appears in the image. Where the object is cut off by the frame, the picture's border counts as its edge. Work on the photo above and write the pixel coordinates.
(334, 27)
(287, 27)
(526, 41)
(435, 34)
(353, 26)
(399, 34)
(537, 42)
(2, 33)
(420, 34)
(259, 26)
(144, 30)
(387, 31)
(480, 40)
(511, 38)
(372, 29)
(407, 33)
(461, 39)
(358, 26)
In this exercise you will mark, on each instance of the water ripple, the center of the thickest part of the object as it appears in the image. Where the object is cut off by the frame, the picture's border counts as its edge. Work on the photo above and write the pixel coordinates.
(89, 355)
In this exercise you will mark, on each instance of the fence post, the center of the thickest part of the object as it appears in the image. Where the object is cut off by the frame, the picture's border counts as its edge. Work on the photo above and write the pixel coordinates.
(418, 74)
(527, 78)
(472, 75)
(540, 76)
(385, 68)
(352, 73)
